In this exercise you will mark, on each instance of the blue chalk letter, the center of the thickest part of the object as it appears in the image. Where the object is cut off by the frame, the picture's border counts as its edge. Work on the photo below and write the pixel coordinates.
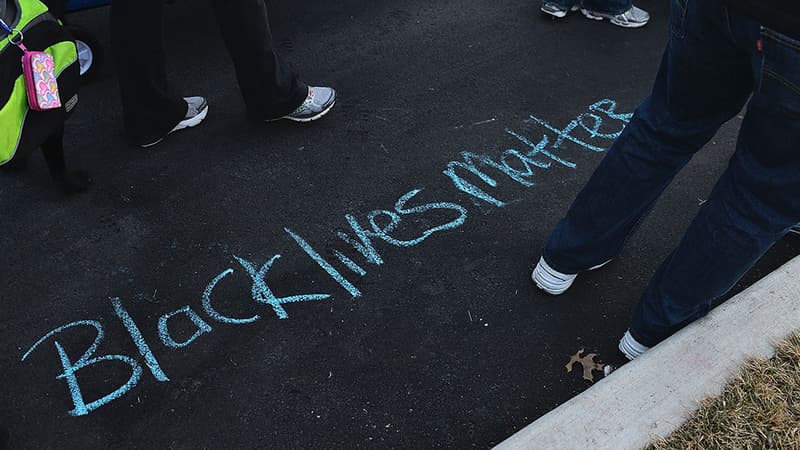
(326, 266)
(163, 327)
(138, 339)
(213, 313)
(470, 164)
(70, 369)
(400, 207)
(263, 294)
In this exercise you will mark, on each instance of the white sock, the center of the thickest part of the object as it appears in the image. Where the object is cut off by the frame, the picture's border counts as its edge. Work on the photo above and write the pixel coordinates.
(630, 347)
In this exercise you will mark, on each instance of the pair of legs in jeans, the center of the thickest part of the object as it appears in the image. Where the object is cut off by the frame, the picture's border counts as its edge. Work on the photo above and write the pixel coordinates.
(714, 61)
(151, 109)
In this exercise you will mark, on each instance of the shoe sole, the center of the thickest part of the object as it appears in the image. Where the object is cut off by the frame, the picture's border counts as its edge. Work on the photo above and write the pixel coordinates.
(307, 119)
(593, 16)
(182, 125)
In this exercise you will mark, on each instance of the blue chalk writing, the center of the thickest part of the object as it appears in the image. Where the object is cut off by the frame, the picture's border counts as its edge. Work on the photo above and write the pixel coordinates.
(472, 163)
(606, 106)
(213, 313)
(565, 133)
(350, 263)
(383, 232)
(144, 349)
(81, 408)
(469, 164)
(324, 264)
(363, 245)
(540, 149)
(610, 110)
(475, 174)
(80, 323)
(594, 129)
(263, 294)
(163, 327)
(523, 178)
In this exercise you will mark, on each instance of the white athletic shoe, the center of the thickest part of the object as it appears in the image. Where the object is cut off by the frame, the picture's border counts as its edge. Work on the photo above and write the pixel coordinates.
(318, 102)
(196, 111)
(630, 347)
(556, 10)
(552, 281)
(633, 18)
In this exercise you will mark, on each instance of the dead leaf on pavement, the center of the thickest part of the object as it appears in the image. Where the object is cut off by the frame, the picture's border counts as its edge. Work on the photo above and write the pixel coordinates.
(573, 359)
(587, 362)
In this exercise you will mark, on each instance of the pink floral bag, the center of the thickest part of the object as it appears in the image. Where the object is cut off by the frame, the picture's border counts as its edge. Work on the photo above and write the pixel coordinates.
(38, 70)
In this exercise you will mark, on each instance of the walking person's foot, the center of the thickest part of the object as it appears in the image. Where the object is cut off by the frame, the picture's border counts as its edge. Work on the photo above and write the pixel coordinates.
(635, 17)
(552, 281)
(196, 111)
(318, 102)
(556, 10)
(627, 350)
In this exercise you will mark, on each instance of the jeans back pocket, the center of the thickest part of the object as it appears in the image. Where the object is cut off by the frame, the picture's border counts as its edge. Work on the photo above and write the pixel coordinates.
(780, 71)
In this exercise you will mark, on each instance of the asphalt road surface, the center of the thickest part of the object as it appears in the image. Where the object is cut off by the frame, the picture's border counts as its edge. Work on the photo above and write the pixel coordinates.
(155, 312)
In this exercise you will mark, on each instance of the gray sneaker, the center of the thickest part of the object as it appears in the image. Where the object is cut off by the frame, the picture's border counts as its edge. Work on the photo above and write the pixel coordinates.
(556, 10)
(196, 111)
(795, 229)
(319, 101)
(633, 18)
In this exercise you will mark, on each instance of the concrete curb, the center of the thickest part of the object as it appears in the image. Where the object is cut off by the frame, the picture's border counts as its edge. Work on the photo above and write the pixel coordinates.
(652, 395)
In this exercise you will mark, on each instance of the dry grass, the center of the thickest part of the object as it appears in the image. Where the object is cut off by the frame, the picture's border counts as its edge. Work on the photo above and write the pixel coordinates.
(759, 408)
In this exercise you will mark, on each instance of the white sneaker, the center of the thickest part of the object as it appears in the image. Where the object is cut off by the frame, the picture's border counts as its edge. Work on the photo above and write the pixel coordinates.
(318, 102)
(556, 10)
(552, 281)
(196, 111)
(630, 347)
(633, 18)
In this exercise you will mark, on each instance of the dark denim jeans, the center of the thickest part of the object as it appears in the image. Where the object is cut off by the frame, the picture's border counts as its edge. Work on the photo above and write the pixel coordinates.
(714, 61)
(612, 7)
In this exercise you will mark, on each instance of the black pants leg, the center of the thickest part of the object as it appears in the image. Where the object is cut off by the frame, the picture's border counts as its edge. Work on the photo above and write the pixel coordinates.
(150, 108)
(270, 89)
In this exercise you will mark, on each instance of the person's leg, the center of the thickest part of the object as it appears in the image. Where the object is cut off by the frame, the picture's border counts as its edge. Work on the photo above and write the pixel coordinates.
(702, 82)
(755, 202)
(149, 106)
(270, 89)
(566, 4)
